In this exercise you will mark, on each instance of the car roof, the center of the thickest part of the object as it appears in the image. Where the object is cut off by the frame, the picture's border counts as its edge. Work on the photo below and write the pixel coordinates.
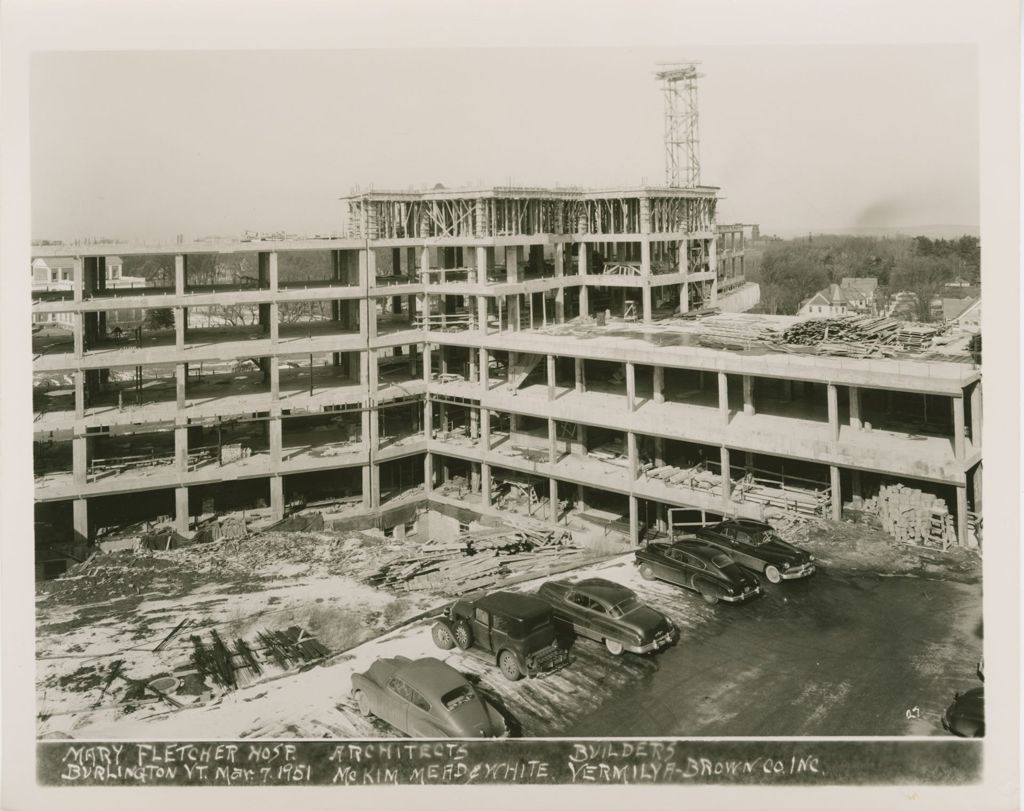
(710, 534)
(523, 606)
(698, 547)
(431, 677)
(750, 523)
(603, 589)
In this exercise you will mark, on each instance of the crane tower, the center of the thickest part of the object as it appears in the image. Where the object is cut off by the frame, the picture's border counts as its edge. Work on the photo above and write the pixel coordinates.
(682, 133)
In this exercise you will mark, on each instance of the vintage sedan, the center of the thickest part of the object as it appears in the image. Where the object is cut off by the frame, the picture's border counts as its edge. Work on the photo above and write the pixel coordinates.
(965, 717)
(702, 567)
(425, 698)
(755, 545)
(609, 612)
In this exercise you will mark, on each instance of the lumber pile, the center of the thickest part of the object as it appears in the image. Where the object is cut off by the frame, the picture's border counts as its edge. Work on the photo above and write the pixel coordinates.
(860, 335)
(233, 665)
(805, 501)
(474, 559)
(913, 517)
(697, 477)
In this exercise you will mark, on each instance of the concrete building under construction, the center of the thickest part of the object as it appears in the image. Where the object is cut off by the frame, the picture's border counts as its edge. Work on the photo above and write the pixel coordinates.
(432, 344)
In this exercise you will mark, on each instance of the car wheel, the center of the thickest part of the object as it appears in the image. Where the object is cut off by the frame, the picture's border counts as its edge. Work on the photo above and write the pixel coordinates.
(363, 702)
(646, 572)
(509, 666)
(709, 596)
(773, 574)
(614, 648)
(463, 634)
(442, 636)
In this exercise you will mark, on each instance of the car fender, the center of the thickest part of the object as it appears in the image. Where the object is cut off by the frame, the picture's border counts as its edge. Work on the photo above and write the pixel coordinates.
(711, 584)
(426, 729)
(519, 658)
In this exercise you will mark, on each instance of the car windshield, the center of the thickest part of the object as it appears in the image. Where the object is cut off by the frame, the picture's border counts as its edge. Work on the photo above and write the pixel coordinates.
(458, 697)
(721, 560)
(624, 607)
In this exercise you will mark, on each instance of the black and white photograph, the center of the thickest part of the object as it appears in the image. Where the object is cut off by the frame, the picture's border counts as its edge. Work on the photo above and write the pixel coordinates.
(477, 409)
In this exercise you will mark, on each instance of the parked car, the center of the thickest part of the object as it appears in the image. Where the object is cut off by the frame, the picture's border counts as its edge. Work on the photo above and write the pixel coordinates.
(756, 545)
(425, 698)
(699, 566)
(514, 631)
(610, 613)
(966, 715)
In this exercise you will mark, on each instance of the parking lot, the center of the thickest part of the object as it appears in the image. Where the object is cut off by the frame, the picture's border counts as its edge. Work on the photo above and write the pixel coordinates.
(843, 653)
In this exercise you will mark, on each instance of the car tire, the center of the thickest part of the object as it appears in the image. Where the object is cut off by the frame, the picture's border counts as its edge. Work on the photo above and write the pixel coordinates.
(509, 666)
(462, 634)
(614, 648)
(363, 703)
(708, 594)
(442, 636)
(646, 572)
(772, 574)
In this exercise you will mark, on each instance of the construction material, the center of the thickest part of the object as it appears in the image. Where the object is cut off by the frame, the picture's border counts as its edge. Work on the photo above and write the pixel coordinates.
(913, 517)
(174, 632)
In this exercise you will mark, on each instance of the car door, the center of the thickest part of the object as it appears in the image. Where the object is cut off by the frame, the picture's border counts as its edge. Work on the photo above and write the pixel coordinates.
(677, 570)
(746, 552)
(395, 702)
(419, 715)
(572, 607)
(584, 615)
(602, 626)
(693, 567)
(482, 629)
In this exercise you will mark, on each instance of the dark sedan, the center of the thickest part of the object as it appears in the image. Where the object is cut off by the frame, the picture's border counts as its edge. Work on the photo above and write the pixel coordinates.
(425, 698)
(755, 545)
(702, 567)
(966, 715)
(609, 612)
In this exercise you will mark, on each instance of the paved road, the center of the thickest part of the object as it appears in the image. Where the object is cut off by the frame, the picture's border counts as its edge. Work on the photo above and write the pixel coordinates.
(838, 654)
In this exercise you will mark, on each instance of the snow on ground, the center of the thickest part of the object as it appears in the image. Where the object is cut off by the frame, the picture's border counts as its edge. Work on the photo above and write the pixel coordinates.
(316, 703)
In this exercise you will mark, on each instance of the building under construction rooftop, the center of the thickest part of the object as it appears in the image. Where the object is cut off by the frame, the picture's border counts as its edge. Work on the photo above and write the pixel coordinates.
(433, 344)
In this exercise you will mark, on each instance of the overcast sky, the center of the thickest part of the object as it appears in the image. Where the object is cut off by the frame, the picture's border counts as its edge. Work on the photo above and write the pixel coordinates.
(147, 145)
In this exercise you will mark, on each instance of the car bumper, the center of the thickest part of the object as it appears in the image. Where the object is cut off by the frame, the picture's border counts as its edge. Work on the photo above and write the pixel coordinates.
(798, 571)
(659, 642)
(741, 598)
(548, 662)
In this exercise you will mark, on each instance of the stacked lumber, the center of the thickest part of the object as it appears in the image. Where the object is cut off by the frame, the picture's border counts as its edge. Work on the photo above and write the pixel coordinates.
(233, 668)
(475, 559)
(913, 517)
(808, 502)
(697, 477)
(860, 335)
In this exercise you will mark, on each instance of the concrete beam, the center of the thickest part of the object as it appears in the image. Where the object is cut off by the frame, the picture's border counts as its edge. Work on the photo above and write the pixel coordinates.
(837, 493)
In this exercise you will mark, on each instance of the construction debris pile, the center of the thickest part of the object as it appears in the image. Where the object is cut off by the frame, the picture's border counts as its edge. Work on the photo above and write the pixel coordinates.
(234, 668)
(478, 559)
(913, 517)
(861, 336)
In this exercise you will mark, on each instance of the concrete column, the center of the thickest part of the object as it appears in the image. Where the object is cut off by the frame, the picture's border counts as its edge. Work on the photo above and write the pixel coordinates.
(976, 414)
(833, 411)
(723, 397)
(559, 273)
(837, 493)
(552, 441)
(80, 395)
(581, 375)
(630, 386)
(645, 258)
(961, 516)
(977, 487)
(726, 477)
(632, 455)
(368, 428)
(181, 449)
(472, 366)
(272, 268)
(276, 497)
(485, 484)
(748, 395)
(80, 519)
(553, 500)
(427, 373)
(581, 259)
(274, 322)
(274, 427)
(474, 423)
(481, 314)
(958, 428)
(485, 369)
(584, 301)
(367, 486)
(372, 372)
(179, 274)
(648, 308)
(485, 428)
(78, 333)
(481, 265)
(659, 384)
(659, 451)
(180, 316)
(684, 297)
(855, 421)
(551, 377)
(181, 517)
(80, 460)
(856, 489)
(181, 384)
(442, 419)
(428, 473)
(634, 521)
(275, 378)
(428, 418)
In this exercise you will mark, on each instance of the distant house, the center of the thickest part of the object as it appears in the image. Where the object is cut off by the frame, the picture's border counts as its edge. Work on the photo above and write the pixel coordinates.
(965, 313)
(861, 292)
(831, 301)
(57, 274)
